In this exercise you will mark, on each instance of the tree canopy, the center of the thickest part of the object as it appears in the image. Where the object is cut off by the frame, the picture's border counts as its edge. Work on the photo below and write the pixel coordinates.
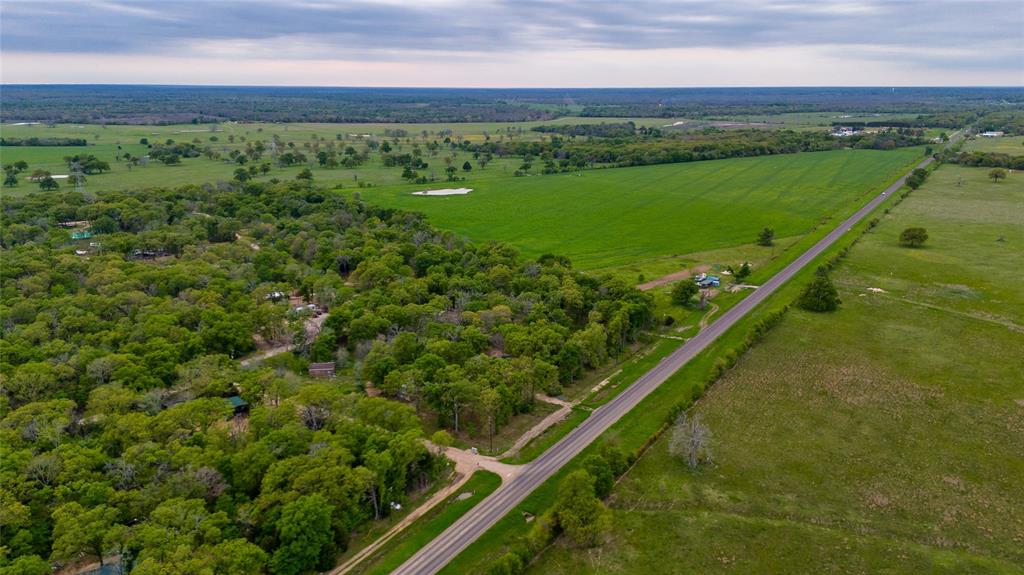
(119, 350)
(913, 237)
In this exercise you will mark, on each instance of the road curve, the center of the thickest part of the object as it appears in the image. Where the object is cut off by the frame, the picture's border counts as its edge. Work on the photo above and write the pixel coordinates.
(433, 556)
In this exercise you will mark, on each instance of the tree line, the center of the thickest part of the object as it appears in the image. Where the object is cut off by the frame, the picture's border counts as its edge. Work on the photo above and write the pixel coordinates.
(984, 159)
(43, 142)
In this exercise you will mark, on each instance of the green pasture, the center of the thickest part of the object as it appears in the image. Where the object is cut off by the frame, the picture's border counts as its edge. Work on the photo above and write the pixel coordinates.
(1013, 145)
(885, 437)
(614, 217)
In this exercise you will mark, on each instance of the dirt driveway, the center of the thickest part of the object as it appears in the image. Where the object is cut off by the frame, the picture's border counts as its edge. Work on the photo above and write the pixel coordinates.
(673, 277)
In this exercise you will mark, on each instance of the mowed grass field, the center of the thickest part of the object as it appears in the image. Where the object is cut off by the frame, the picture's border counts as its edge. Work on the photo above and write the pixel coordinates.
(887, 437)
(613, 217)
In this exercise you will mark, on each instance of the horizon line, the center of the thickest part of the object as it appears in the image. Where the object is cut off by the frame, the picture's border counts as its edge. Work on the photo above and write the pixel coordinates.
(427, 87)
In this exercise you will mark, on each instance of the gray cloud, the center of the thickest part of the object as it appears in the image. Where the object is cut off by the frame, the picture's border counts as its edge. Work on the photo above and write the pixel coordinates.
(935, 33)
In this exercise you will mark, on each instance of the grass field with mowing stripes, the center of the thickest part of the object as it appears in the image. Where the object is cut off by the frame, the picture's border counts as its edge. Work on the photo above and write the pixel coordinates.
(614, 217)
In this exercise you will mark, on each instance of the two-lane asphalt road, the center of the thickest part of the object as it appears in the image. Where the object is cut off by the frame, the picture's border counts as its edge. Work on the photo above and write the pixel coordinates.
(436, 554)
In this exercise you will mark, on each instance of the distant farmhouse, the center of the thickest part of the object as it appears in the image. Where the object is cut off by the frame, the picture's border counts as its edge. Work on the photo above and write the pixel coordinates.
(843, 131)
(991, 134)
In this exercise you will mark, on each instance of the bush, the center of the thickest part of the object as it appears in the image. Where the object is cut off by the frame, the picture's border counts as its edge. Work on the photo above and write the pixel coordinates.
(507, 564)
(820, 294)
(604, 478)
(916, 178)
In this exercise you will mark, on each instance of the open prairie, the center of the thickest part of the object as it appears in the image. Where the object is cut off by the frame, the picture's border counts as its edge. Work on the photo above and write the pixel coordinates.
(882, 437)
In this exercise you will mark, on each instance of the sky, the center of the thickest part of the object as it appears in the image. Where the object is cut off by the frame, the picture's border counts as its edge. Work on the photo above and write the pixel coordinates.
(514, 43)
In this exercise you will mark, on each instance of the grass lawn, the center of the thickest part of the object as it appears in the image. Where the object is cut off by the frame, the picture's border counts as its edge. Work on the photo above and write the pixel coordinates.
(717, 260)
(614, 217)
(885, 437)
(1013, 145)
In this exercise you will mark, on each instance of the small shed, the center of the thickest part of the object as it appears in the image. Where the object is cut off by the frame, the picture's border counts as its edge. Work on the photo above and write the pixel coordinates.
(322, 369)
(239, 406)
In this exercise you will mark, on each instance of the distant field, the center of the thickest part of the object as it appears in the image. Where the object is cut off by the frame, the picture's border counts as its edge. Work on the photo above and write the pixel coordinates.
(299, 132)
(816, 119)
(1013, 145)
(600, 218)
(107, 142)
(885, 437)
(613, 217)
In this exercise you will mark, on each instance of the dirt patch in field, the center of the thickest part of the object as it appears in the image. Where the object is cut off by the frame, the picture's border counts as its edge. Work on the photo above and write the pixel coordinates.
(673, 277)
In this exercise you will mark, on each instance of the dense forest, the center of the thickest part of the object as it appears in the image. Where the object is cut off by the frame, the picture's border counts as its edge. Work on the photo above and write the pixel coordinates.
(180, 104)
(120, 361)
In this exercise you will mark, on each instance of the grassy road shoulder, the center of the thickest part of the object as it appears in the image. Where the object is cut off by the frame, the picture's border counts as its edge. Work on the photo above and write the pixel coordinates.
(404, 544)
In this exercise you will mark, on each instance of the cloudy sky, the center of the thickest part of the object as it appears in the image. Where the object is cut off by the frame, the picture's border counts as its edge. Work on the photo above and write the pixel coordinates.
(514, 43)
